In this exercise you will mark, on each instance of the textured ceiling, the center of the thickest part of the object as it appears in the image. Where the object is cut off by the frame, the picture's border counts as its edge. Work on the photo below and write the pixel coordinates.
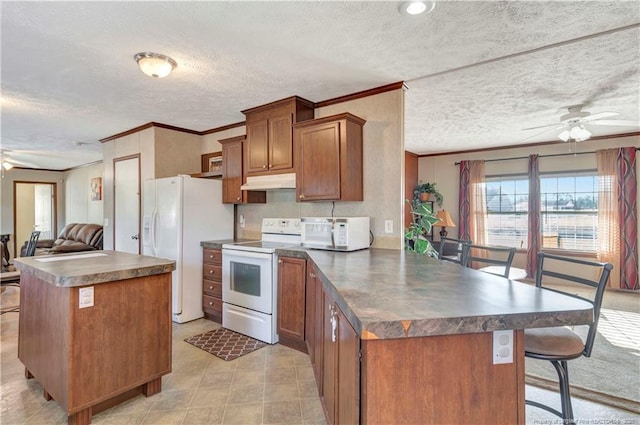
(477, 72)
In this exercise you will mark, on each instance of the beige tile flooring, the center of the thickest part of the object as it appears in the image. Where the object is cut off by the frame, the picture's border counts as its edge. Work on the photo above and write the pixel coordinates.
(273, 385)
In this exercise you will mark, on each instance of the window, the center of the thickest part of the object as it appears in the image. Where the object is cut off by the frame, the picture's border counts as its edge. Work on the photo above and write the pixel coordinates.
(568, 210)
(507, 210)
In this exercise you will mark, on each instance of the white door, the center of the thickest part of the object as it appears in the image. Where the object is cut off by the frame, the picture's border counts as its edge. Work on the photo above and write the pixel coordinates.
(126, 218)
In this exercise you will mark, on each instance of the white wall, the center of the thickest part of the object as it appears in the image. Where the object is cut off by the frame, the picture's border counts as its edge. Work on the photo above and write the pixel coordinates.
(79, 206)
(442, 170)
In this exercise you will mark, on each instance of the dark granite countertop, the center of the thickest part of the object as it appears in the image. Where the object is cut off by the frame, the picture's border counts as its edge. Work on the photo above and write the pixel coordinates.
(92, 267)
(217, 244)
(397, 294)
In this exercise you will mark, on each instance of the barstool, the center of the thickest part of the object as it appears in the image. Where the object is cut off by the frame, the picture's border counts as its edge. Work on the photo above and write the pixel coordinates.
(560, 344)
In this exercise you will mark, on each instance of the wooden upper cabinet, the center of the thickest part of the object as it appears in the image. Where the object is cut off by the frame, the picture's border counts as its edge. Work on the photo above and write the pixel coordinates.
(329, 157)
(269, 145)
(232, 175)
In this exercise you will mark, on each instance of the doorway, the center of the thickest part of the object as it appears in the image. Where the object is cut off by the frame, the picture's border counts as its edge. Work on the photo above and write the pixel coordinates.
(34, 209)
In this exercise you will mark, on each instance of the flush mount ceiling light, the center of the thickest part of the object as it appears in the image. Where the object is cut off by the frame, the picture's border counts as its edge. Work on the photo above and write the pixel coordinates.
(7, 165)
(154, 64)
(413, 8)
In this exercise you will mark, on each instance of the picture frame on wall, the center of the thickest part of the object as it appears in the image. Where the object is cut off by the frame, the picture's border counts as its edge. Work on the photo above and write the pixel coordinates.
(96, 189)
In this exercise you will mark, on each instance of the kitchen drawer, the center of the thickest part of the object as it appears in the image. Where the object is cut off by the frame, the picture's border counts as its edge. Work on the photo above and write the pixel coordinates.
(212, 256)
(212, 288)
(212, 272)
(212, 308)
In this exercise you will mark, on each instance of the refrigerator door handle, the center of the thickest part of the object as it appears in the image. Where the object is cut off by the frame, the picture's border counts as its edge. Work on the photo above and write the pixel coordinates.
(153, 231)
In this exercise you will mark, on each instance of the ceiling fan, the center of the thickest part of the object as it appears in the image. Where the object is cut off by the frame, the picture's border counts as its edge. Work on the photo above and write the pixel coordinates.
(573, 123)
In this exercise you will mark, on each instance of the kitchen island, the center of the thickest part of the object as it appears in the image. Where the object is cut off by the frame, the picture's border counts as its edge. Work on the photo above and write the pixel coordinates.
(95, 327)
(396, 337)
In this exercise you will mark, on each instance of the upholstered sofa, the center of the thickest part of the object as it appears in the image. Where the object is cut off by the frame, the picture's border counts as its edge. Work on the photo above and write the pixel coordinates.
(75, 237)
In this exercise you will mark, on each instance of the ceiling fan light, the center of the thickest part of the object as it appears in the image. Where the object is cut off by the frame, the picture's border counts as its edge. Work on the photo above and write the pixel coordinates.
(579, 133)
(154, 64)
(564, 136)
(7, 165)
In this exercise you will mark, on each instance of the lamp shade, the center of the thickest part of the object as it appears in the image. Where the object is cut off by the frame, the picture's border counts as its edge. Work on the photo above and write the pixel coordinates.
(445, 219)
(154, 64)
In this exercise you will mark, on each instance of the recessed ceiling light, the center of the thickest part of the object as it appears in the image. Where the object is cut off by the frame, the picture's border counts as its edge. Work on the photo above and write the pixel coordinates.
(154, 64)
(416, 7)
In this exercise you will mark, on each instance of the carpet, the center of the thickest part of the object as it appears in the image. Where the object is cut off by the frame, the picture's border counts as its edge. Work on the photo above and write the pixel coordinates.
(612, 374)
(225, 344)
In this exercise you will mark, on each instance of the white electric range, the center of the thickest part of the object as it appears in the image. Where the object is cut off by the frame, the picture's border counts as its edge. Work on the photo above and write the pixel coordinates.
(249, 279)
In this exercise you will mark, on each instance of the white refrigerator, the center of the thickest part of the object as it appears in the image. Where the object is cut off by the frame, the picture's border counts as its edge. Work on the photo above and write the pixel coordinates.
(178, 213)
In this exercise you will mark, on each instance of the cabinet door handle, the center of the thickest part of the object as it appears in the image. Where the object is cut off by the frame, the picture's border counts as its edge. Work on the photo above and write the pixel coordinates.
(311, 275)
(210, 287)
(238, 198)
(264, 166)
(334, 326)
(270, 165)
(301, 196)
(210, 271)
(279, 261)
(210, 255)
(210, 302)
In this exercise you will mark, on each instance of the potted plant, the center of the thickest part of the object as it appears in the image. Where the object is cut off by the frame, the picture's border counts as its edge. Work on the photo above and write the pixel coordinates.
(424, 190)
(415, 236)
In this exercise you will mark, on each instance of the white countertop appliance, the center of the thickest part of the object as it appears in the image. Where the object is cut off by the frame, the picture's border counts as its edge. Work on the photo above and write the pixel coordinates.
(178, 213)
(249, 279)
(335, 233)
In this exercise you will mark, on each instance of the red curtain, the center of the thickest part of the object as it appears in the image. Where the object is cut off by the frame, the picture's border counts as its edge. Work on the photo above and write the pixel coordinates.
(534, 239)
(628, 210)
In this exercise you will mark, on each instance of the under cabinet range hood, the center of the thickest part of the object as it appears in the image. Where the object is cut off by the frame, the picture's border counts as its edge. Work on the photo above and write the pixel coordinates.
(270, 182)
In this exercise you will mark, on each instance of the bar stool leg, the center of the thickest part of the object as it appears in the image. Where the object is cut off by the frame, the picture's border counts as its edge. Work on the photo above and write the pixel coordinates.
(565, 392)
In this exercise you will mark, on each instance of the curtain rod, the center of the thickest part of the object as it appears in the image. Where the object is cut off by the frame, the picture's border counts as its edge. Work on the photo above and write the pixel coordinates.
(539, 156)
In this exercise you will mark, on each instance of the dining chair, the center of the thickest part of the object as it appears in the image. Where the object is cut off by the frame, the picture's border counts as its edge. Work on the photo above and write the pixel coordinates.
(560, 344)
(31, 245)
(454, 250)
(491, 259)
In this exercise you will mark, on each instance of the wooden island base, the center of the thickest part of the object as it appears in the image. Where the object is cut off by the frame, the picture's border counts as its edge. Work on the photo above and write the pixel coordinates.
(92, 354)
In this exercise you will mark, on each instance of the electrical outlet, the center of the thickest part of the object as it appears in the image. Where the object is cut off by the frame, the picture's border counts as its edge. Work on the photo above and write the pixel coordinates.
(388, 226)
(241, 220)
(503, 347)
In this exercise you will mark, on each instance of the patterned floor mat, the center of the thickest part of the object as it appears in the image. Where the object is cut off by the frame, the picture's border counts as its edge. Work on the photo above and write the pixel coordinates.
(225, 344)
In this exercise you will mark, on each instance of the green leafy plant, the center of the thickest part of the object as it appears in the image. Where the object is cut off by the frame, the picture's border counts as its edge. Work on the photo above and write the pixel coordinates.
(415, 236)
(427, 188)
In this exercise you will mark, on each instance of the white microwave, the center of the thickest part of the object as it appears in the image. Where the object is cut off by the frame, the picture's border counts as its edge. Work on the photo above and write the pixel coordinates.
(335, 233)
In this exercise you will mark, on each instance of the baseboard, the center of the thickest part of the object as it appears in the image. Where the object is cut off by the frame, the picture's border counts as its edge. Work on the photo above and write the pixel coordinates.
(584, 393)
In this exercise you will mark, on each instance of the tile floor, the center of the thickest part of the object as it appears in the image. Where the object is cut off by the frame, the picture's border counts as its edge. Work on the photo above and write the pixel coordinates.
(273, 385)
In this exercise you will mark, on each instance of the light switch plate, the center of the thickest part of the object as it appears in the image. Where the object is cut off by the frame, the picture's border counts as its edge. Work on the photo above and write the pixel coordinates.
(388, 226)
(503, 346)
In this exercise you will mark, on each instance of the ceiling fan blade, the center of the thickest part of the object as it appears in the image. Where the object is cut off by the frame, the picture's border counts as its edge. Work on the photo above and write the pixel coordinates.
(601, 115)
(624, 123)
(540, 133)
(541, 126)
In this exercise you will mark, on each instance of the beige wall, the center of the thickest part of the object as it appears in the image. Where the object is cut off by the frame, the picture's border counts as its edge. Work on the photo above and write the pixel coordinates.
(443, 171)
(176, 152)
(383, 157)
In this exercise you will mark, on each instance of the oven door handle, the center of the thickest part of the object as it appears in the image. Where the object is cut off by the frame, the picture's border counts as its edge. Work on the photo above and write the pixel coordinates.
(244, 254)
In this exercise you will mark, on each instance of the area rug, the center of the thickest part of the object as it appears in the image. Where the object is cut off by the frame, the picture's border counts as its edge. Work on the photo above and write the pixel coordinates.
(225, 344)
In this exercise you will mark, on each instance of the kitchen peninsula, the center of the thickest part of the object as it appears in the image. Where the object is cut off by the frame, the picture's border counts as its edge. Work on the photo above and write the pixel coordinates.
(95, 327)
(396, 337)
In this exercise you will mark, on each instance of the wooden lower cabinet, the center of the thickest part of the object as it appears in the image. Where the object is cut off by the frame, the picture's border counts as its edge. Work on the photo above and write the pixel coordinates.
(422, 380)
(291, 302)
(212, 284)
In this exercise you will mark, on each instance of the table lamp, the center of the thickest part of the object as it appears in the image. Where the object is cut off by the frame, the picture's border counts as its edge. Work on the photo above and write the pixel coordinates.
(445, 221)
